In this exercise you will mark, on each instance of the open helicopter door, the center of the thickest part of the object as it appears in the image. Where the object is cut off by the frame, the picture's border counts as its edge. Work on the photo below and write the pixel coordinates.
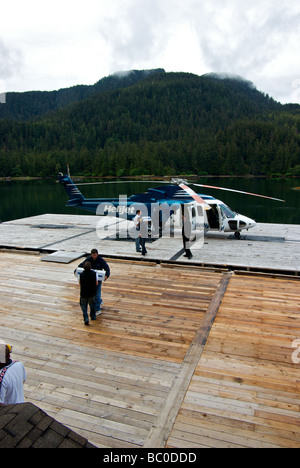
(194, 212)
(215, 218)
(191, 216)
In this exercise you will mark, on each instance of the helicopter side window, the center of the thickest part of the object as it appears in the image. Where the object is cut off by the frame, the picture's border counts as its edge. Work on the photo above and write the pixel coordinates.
(227, 211)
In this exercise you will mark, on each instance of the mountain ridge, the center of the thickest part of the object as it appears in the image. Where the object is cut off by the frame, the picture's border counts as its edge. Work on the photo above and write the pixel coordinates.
(162, 124)
(31, 104)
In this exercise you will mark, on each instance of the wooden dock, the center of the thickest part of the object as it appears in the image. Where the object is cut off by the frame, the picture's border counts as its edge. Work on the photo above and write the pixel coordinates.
(182, 356)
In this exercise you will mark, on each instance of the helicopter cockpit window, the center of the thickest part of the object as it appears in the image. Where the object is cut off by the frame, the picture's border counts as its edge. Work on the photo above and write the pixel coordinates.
(227, 211)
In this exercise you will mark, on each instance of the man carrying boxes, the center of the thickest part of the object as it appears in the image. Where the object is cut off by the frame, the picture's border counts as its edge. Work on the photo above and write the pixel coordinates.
(97, 264)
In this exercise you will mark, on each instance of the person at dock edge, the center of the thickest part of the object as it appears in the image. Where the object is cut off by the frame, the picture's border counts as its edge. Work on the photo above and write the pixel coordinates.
(137, 223)
(97, 263)
(143, 235)
(12, 377)
(88, 287)
(186, 234)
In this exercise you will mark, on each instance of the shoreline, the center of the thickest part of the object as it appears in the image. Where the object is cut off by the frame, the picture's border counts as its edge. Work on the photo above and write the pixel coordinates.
(158, 178)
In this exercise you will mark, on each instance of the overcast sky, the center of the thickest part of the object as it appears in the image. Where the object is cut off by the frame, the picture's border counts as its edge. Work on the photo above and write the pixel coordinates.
(48, 45)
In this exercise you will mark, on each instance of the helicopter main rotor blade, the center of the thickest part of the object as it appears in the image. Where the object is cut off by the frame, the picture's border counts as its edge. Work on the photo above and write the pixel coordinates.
(125, 181)
(195, 196)
(238, 191)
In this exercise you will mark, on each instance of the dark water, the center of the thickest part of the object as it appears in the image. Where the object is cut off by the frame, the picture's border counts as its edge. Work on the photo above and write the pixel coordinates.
(20, 199)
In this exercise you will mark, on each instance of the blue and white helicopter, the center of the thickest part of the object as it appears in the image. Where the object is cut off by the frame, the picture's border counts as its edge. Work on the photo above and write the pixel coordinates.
(166, 204)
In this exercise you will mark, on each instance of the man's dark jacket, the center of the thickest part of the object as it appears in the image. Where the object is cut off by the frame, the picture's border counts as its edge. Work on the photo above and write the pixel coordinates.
(88, 285)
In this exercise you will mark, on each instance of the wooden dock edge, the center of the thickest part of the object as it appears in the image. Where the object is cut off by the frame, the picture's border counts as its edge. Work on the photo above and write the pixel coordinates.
(162, 428)
(237, 269)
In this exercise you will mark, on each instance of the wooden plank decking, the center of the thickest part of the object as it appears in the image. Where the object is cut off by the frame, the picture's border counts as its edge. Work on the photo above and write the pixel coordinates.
(245, 390)
(164, 365)
(108, 381)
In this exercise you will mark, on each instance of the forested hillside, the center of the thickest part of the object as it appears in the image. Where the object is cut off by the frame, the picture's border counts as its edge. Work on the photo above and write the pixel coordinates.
(164, 124)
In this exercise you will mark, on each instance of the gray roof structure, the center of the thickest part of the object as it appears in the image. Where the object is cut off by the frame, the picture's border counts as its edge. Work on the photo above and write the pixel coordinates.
(25, 425)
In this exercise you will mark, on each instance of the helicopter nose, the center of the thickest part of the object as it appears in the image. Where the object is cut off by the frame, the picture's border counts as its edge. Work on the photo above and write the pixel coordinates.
(247, 223)
(252, 222)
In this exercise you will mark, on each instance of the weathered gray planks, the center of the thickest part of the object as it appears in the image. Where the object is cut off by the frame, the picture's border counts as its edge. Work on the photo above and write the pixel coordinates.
(267, 247)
